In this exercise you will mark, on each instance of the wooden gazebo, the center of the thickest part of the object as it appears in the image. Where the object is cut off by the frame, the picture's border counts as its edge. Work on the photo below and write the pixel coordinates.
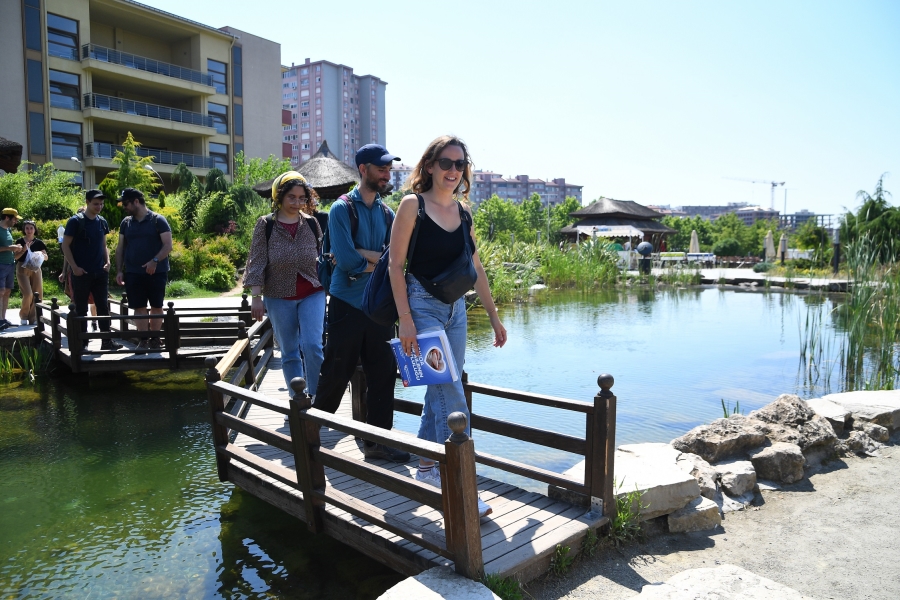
(326, 174)
(611, 218)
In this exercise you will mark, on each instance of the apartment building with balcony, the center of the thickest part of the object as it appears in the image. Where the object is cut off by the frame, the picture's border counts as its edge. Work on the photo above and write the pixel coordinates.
(328, 102)
(84, 73)
(488, 183)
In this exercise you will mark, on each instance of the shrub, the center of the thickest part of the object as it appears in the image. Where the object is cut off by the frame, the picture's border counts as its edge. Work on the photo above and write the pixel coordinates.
(763, 267)
(228, 246)
(180, 289)
(727, 247)
(172, 216)
(215, 212)
(217, 279)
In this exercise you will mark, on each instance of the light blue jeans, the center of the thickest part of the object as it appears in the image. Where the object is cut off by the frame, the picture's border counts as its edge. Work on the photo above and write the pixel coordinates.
(430, 314)
(298, 328)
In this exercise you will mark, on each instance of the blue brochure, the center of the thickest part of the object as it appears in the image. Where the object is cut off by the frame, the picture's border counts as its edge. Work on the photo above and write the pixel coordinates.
(434, 364)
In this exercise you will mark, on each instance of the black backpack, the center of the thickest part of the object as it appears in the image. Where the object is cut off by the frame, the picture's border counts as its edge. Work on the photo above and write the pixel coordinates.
(82, 227)
(270, 225)
(325, 266)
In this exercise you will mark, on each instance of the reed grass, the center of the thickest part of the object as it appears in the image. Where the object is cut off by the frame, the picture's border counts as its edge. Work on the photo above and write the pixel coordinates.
(22, 361)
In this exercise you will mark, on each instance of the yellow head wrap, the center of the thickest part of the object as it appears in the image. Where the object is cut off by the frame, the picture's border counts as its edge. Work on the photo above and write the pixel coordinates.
(287, 176)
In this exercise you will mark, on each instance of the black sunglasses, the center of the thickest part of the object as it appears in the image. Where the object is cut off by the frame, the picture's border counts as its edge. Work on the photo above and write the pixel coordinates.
(446, 163)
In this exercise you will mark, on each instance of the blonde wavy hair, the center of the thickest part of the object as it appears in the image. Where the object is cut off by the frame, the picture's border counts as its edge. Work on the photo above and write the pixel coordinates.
(420, 180)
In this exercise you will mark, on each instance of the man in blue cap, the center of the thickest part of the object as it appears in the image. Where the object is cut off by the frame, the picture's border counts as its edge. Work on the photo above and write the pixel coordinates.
(359, 227)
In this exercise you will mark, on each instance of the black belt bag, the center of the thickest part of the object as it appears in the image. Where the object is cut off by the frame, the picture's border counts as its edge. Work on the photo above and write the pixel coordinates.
(459, 277)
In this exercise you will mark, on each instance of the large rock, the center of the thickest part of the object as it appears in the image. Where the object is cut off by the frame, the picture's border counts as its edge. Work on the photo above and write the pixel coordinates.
(702, 471)
(879, 407)
(736, 476)
(876, 432)
(832, 412)
(791, 420)
(780, 462)
(649, 468)
(725, 582)
(723, 438)
(701, 514)
(439, 583)
(861, 443)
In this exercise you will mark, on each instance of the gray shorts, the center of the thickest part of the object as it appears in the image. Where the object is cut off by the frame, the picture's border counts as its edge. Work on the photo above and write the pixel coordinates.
(7, 276)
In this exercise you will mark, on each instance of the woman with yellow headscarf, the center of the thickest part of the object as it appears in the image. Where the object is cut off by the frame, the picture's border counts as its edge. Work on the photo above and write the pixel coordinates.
(281, 272)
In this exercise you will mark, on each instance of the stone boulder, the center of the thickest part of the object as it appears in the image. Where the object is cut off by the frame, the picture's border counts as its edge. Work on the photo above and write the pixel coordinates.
(791, 420)
(879, 407)
(876, 432)
(723, 438)
(736, 476)
(702, 471)
(836, 415)
(861, 443)
(701, 514)
(725, 582)
(439, 583)
(651, 469)
(780, 461)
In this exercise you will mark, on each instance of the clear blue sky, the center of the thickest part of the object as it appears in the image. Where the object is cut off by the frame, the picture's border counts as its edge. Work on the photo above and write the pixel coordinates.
(657, 102)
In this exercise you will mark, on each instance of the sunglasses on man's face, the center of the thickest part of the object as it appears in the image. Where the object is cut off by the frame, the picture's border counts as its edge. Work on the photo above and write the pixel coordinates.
(446, 163)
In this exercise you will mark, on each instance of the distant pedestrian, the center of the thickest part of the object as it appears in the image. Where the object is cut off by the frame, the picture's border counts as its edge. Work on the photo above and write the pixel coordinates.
(440, 181)
(9, 252)
(142, 262)
(30, 279)
(84, 246)
(281, 273)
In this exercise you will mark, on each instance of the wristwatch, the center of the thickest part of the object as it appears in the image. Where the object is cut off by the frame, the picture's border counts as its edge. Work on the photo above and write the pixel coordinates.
(156, 260)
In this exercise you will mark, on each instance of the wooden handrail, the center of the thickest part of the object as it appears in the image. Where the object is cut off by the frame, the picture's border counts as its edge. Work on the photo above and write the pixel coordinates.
(232, 356)
(540, 399)
(235, 391)
(517, 468)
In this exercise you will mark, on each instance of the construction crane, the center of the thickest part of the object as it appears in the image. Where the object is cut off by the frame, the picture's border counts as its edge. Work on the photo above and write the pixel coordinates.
(774, 184)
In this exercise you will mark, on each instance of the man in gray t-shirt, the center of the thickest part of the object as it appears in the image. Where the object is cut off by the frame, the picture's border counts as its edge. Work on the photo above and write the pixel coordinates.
(142, 261)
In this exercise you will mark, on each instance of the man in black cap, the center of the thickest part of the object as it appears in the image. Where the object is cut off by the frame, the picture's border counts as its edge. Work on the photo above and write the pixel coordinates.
(142, 261)
(359, 227)
(84, 246)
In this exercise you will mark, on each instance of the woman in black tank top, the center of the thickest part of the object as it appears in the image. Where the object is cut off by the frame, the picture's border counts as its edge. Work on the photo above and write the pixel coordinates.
(442, 174)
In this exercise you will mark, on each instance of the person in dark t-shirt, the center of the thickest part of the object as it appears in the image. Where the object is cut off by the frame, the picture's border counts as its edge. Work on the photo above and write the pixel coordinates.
(84, 246)
(142, 261)
(31, 281)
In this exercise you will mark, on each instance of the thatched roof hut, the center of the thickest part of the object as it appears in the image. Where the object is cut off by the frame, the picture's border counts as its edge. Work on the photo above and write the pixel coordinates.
(10, 155)
(325, 173)
(611, 218)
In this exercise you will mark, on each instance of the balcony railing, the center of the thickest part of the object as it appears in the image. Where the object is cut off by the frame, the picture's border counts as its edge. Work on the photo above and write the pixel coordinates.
(162, 157)
(143, 109)
(144, 64)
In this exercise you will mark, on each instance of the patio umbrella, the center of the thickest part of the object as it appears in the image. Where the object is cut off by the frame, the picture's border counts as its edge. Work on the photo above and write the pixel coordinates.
(695, 243)
(325, 173)
(770, 245)
(782, 247)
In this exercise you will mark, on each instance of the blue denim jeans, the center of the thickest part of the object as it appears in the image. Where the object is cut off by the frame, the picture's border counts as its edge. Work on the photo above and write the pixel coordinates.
(298, 328)
(430, 314)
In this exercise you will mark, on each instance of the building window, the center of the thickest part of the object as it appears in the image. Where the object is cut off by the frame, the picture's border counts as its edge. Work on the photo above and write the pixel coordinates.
(218, 71)
(305, 125)
(62, 37)
(304, 103)
(238, 70)
(219, 114)
(304, 71)
(65, 139)
(64, 92)
(303, 93)
(37, 133)
(304, 82)
(219, 155)
(238, 119)
(304, 114)
(35, 81)
(305, 146)
(33, 25)
(318, 101)
(238, 148)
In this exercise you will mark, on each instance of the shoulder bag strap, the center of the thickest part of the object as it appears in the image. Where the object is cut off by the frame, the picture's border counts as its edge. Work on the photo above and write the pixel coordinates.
(415, 234)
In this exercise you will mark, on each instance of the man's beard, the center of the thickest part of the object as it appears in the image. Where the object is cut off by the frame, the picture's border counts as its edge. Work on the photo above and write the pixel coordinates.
(374, 185)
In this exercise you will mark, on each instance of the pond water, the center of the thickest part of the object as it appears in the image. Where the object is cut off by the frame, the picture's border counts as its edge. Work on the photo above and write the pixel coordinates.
(109, 487)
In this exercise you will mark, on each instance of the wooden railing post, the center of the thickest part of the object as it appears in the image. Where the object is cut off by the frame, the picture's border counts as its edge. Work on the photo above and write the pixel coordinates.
(358, 395)
(55, 333)
(76, 347)
(247, 318)
(123, 310)
(38, 312)
(467, 393)
(170, 327)
(305, 436)
(249, 378)
(217, 405)
(460, 490)
(603, 448)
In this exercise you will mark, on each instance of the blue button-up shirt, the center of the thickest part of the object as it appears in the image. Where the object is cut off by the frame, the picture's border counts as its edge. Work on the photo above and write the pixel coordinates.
(349, 280)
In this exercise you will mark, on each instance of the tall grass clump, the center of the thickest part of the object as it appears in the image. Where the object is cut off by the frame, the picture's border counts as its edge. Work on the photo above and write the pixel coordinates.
(510, 268)
(589, 265)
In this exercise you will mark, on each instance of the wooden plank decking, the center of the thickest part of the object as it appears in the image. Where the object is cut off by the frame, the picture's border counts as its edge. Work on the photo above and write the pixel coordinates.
(518, 537)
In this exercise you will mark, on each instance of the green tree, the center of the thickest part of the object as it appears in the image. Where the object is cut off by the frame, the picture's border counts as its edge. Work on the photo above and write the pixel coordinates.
(182, 178)
(497, 219)
(730, 227)
(559, 215)
(215, 181)
(132, 173)
(875, 218)
(41, 192)
(256, 170)
(534, 215)
(680, 241)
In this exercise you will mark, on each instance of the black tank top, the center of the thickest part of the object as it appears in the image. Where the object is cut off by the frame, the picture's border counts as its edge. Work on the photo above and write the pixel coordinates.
(436, 248)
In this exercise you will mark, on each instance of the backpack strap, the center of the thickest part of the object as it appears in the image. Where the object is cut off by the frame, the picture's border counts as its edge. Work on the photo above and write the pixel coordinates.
(270, 225)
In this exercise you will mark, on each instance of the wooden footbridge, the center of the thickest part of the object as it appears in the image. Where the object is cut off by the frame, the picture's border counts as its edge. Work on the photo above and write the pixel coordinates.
(311, 466)
(189, 335)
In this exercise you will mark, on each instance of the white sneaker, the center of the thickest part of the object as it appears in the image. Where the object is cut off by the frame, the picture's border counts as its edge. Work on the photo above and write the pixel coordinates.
(432, 476)
(484, 509)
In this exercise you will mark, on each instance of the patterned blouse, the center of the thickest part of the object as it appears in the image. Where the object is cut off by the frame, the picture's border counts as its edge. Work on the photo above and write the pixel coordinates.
(275, 265)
